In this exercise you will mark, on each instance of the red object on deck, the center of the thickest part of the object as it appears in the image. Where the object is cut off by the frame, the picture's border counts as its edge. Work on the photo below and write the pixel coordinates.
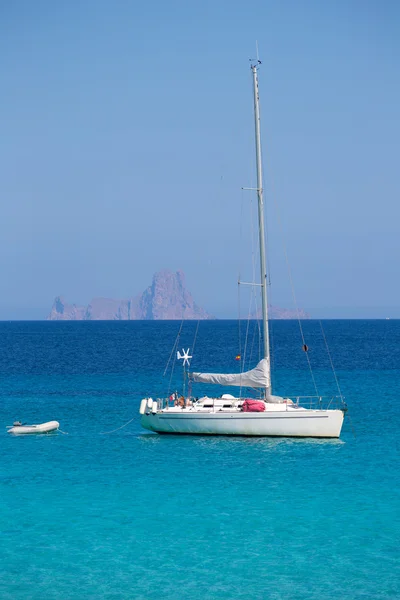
(253, 406)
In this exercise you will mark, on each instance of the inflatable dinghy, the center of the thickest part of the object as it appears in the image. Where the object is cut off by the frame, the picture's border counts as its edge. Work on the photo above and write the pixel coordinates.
(19, 429)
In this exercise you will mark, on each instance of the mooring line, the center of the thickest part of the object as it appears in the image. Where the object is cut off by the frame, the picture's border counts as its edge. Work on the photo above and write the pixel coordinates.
(118, 428)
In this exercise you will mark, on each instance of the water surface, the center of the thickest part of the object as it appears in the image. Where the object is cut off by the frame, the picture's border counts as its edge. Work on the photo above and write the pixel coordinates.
(136, 515)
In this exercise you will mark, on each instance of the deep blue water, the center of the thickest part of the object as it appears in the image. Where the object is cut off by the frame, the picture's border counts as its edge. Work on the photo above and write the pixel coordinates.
(135, 515)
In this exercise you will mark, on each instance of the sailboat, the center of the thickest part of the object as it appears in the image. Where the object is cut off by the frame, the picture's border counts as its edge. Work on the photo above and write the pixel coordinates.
(229, 415)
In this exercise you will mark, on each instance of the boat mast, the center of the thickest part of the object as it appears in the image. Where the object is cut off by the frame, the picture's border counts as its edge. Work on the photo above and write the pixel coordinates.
(263, 279)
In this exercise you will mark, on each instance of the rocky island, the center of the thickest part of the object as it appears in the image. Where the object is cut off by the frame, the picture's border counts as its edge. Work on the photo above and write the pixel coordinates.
(165, 299)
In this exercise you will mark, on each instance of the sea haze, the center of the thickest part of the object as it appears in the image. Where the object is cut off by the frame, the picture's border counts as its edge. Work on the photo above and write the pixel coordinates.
(131, 514)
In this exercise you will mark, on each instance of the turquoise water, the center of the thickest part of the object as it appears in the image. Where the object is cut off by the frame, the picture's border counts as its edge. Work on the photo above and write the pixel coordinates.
(136, 515)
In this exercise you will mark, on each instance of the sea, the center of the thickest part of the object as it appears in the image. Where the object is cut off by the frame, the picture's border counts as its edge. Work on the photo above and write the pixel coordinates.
(105, 509)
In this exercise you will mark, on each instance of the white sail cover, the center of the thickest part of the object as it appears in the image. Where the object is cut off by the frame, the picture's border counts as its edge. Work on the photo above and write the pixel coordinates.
(259, 377)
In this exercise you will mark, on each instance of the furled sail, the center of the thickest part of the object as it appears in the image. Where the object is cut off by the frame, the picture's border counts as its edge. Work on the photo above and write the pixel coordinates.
(257, 378)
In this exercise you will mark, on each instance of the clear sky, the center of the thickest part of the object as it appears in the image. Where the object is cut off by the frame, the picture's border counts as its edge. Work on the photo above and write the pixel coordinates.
(127, 134)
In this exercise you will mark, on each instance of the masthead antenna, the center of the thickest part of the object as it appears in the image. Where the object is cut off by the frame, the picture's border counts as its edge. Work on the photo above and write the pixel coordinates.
(255, 62)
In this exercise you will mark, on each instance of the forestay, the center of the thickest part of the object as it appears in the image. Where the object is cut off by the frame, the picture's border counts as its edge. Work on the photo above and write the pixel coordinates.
(259, 377)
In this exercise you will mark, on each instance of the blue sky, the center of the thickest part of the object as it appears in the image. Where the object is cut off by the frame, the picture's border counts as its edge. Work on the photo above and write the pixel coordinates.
(127, 135)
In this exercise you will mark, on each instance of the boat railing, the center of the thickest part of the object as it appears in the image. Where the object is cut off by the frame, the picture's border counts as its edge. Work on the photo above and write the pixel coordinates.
(310, 402)
(319, 402)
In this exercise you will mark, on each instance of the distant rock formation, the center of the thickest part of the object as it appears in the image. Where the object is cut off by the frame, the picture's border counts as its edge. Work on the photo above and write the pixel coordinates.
(274, 312)
(286, 313)
(62, 311)
(166, 298)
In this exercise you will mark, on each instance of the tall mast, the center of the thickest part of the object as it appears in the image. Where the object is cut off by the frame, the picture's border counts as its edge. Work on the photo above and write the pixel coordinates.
(263, 278)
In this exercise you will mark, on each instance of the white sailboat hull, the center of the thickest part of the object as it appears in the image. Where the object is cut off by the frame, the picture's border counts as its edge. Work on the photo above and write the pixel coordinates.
(285, 423)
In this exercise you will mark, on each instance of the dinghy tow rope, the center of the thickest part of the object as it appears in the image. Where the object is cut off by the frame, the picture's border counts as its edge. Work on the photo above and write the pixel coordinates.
(118, 428)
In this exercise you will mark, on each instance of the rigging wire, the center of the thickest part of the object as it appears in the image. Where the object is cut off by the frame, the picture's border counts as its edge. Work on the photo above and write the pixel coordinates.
(336, 379)
(253, 339)
(239, 323)
(173, 351)
(253, 295)
(243, 362)
(195, 336)
(331, 361)
(238, 288)
(173, 348)
(246, 339)
(252, 289)
(271, 332)
(290, 276)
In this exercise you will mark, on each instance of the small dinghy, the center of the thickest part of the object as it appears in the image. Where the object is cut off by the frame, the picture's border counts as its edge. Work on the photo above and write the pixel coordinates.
(20, 429)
